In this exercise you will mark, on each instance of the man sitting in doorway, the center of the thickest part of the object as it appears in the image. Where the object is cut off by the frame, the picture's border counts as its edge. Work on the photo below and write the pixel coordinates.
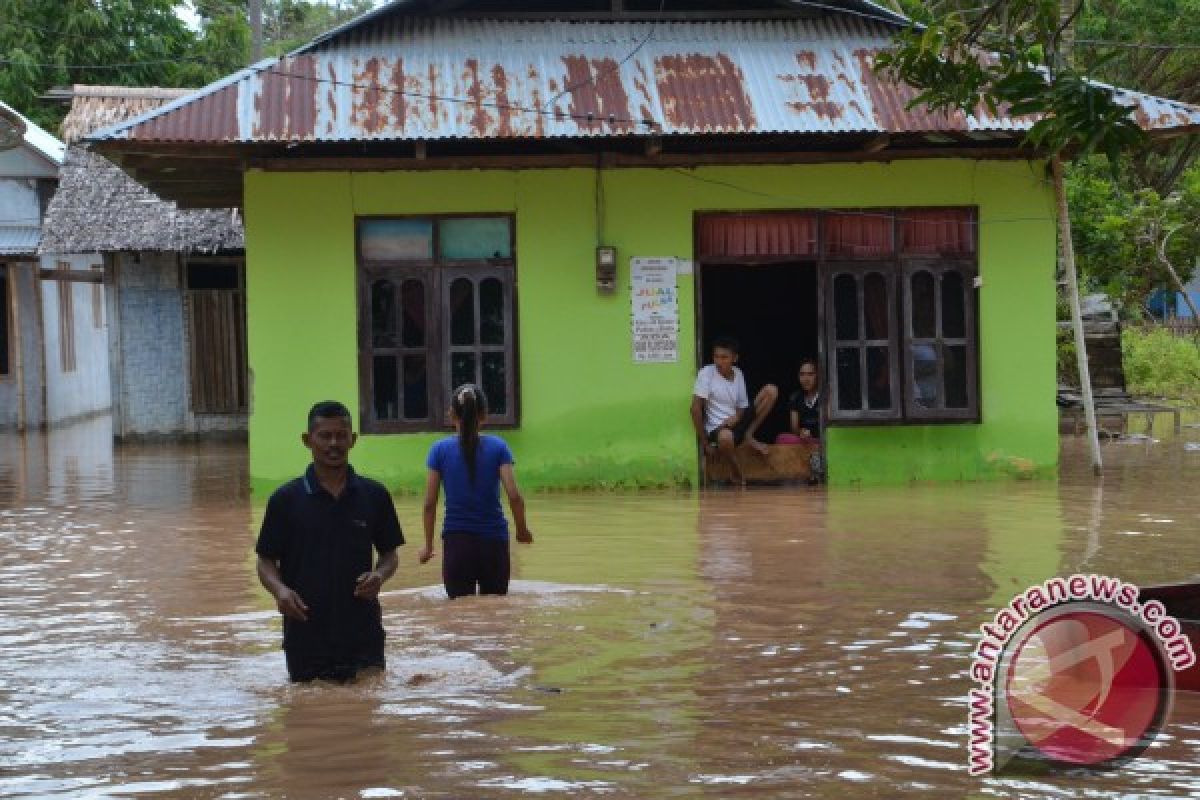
(720, 407)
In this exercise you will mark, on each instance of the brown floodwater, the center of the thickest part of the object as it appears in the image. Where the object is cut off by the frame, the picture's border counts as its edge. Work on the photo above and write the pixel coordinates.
(770, 643)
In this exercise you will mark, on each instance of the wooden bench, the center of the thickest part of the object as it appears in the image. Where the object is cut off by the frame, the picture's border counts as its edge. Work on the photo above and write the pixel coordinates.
(1115, 404)
(783, 463)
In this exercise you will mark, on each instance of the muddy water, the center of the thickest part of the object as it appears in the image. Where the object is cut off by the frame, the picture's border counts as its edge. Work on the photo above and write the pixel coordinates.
(772, 643)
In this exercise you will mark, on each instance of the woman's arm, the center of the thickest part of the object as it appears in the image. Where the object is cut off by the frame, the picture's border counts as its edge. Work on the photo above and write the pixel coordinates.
(433, 487)
(515, 502)
(794, 420)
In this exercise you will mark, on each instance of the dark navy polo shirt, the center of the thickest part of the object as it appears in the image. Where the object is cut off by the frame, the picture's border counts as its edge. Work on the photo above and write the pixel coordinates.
(322, 545)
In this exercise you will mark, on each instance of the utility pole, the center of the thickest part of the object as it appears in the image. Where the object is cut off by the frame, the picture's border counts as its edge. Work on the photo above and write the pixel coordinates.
(1063, 56)
(256, 31)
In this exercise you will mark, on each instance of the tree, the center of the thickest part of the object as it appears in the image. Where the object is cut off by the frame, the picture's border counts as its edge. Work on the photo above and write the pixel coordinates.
(1125, 237)
(287, 24)
(1013, 54)
(48, 43)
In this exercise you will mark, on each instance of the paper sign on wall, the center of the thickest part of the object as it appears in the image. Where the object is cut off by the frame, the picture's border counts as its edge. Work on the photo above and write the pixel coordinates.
(655, 301)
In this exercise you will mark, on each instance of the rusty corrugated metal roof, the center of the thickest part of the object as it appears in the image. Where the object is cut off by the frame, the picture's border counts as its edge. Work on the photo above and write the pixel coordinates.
(425, 78)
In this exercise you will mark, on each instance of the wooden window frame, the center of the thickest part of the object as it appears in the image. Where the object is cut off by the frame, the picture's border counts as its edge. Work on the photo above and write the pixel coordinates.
(9, 332)
(970, 340)
(98, 299)
(906, 411)
(829, 271)
(66, 322)
(436, 274)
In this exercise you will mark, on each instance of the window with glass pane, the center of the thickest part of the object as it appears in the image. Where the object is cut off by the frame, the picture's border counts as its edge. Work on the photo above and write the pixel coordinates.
(480, 349)
(436, 310)
(475, 238)
(395, 240)
(860, 335)
(399, 386)
(940, 346)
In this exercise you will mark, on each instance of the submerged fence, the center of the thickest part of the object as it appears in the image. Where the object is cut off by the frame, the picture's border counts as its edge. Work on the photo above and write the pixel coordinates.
(1178, 326)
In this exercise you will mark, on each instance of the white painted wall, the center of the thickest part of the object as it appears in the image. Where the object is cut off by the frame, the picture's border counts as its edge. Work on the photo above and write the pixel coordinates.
(24, 162)
(19, 202)
(85, 390)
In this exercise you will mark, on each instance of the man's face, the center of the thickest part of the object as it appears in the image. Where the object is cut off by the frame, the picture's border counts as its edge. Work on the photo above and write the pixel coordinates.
(724, 358)
(330, 441)
(808, 377)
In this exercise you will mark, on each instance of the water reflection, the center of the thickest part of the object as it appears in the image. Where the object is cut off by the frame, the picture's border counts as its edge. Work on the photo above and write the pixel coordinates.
(781, 643)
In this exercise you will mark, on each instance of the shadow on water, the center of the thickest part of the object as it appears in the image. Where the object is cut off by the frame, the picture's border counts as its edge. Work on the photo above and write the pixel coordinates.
(781, 643)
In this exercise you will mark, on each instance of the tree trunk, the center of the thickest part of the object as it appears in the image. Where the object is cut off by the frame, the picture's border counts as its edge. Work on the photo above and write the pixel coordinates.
(256, 31)
(1068, 256)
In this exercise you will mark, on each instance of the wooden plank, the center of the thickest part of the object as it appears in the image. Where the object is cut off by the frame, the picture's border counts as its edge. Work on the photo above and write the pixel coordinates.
(787, 462)
(71, 275)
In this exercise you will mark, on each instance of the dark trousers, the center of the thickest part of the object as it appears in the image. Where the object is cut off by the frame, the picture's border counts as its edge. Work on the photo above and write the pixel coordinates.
(473, 564)
(306, 666)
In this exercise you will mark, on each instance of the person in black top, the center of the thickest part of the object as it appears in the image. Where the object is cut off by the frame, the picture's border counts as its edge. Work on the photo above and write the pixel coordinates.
(314, 556)
(804, 406)
(804, 415)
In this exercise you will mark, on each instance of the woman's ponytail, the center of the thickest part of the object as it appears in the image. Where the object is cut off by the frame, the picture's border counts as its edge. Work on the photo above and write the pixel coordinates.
(469, 405)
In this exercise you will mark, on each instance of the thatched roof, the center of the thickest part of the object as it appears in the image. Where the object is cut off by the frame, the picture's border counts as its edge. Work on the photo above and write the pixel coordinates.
(99, 208)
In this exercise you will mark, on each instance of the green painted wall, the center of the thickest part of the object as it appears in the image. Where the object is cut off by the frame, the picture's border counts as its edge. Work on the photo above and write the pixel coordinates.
(590, 416)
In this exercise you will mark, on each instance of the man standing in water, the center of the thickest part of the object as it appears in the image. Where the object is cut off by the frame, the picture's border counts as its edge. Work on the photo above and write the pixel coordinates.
(314, 556)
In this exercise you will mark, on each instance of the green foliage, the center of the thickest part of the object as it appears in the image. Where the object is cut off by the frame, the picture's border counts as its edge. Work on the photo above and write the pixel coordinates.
(1009, 55)
(1160, 364)
(42, 43)
(1066, 359)
(49, 43)
(287, 24)
(1118, 228)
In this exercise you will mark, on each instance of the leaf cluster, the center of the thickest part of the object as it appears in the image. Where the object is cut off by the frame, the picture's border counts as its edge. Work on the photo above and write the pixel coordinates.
(1008, 58)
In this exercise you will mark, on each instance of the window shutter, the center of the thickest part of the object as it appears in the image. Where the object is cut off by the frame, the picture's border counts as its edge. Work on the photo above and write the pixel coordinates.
(861, 341)
(940, 340)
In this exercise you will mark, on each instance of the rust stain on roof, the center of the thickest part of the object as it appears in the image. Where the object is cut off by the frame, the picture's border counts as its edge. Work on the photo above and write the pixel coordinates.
(331, 98)
(818, 93)
(889, 103)
(504, 111)
(286, 101)
(598, 97)
(704, 92)
(399, 96)
(481, 120)
(368, 109)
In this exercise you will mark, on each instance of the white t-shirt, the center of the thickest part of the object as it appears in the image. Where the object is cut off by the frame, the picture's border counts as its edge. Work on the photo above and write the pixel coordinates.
(722, 398)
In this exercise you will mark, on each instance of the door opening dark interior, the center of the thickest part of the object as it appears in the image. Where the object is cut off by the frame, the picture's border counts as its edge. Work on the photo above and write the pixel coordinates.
(772, 311)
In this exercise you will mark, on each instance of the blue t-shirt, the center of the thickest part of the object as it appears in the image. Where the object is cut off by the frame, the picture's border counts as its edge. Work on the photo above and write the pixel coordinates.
(472, 507)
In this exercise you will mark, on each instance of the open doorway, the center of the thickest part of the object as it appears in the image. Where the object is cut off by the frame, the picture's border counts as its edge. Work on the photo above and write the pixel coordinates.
(772, 310)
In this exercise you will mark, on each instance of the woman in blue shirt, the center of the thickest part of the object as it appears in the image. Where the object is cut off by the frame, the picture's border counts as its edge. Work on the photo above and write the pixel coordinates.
(475, 532)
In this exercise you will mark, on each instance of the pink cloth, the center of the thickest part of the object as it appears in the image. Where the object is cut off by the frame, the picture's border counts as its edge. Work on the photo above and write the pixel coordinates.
(791, 438)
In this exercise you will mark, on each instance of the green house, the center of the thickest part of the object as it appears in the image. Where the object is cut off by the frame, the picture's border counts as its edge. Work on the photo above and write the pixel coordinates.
(566, 202)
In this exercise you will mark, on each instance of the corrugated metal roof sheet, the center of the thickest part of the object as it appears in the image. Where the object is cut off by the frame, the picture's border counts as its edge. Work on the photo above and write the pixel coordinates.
(416, 78)
(19, 240)
(40, 140)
